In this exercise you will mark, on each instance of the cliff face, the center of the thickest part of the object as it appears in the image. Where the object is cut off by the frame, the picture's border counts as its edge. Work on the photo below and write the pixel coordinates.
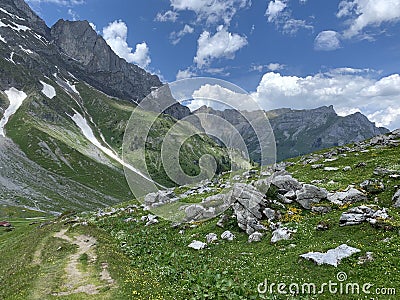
(299, 132)
(87, 55)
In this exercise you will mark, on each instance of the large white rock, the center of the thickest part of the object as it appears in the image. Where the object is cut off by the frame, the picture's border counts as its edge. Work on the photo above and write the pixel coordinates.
(332, 257)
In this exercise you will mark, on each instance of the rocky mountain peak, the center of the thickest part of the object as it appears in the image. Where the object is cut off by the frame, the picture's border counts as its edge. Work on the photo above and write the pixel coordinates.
(26, 14)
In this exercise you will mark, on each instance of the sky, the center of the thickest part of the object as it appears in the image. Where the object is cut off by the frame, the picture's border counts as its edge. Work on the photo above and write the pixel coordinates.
(299, 54)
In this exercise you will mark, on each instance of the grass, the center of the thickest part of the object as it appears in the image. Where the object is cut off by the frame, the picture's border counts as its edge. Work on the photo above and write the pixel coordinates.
(154, 262)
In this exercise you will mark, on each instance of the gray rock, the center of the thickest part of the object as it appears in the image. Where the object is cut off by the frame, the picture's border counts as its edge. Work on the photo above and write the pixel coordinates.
(227, 235)
(211, 238)
(286, 183)
(269, 213)
(347, 169)
(373, 186)
(197, 245)
(255, 237)
(222, 221)
(321, 209)
(366, 258)
(310, 194)
(352, 195)
(360, 214)
(333, 257)
(396, 199)
(281, 234)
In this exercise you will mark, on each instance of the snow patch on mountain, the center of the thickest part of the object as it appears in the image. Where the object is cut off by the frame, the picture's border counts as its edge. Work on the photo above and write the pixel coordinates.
(48, 90)
(16, 99)
(87, 131)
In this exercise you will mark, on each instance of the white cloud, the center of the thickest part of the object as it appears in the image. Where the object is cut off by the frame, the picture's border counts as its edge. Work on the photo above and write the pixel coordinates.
(278, 12)
(73, 14)
(222, 44)
(221, 98)
(168, 16)
(365, 13)
(348, 91)
(275, 66)
(183, 74)
(211, 11)
(177, 36)
(270, 67)
(115, 34)
(327, 41)
(274, 10)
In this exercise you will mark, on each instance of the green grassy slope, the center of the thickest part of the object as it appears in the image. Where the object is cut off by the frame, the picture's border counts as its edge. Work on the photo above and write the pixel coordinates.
(233, 270)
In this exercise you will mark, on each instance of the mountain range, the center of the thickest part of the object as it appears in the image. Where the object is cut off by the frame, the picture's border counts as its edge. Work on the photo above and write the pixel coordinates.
(66, 98)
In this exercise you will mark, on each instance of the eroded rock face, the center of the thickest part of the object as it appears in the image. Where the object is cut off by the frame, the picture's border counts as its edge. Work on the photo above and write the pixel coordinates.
(248, 204)
(98, 64)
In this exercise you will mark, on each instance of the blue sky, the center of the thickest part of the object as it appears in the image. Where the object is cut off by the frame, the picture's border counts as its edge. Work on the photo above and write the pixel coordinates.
(286, 53)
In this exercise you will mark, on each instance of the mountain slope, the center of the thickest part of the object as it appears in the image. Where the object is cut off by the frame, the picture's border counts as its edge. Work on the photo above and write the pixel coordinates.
(78, 98)
(298, 132)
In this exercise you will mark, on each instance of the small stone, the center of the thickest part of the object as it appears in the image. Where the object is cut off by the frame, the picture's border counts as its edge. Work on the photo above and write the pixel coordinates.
(321, 209)
(367, 258)
(227, 235)
(322, 226)
(331, 169)
(255, 237)
(197, 245)
(211, 237)
(347, 169)
(281, 234)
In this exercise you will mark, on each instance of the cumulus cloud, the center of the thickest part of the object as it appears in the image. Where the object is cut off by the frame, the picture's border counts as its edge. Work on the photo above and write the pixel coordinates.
(327, 41)
(222, 44)
(211, 11)
(349, 91)
(364, 13)
(218, 97)
(183, 74)
(275, 9)
(168, 16)
(176, 36)
(115, 34)
(278, 12)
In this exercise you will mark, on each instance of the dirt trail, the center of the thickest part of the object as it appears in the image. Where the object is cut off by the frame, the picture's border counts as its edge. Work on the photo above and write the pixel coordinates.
(75, 276)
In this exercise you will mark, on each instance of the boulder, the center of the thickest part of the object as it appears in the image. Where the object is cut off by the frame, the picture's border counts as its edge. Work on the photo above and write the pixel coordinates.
(310, 194)
(286, 183)
(351, 195)
(321, 209)
(332, 257)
